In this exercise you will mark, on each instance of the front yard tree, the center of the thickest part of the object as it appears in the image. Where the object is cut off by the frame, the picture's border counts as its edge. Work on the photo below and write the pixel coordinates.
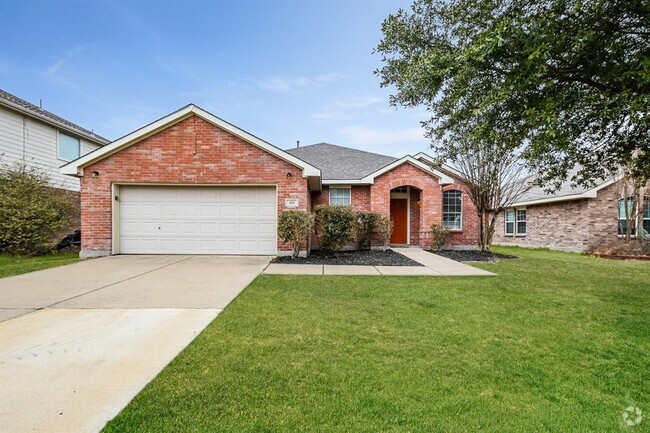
(572, 76)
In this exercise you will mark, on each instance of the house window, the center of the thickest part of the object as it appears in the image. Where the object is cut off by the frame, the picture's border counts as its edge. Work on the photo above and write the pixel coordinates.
(515, 222)
(623, 216)
(340, 196)
(400, 189)
(521, 221)
(510, 222)
(452, 210)
(646, 216)
(69, 147)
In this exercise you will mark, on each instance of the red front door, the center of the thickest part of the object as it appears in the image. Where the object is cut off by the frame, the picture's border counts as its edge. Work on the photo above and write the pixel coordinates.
(399, 215)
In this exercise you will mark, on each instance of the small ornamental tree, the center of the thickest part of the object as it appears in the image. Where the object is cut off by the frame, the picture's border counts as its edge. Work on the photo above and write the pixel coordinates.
(33, 215)
(384, 228)
(335, 226)
(365, 227)
(294, 226)
(439, 236)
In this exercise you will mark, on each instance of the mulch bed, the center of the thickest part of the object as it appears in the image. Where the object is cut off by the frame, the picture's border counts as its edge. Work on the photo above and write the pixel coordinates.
(619, 256)
(472, 255)
(360, 258)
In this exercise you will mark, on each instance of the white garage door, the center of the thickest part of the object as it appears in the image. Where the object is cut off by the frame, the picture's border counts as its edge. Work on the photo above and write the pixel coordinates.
(197, 220)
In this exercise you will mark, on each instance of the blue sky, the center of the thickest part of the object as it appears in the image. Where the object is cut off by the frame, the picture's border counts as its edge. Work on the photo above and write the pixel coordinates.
(283, 70)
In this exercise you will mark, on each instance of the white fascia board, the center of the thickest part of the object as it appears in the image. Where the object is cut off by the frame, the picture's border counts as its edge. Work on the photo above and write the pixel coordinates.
(590, 193)
(52, 122)
(443, 179)
(447, 167)
(75, 168)
(344, 182)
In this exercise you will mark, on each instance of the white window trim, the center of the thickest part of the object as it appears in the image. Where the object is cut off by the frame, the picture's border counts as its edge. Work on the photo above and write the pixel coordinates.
(329, 194)
(58, 146)
(462, 205)
(515, 232)
(517, 220)
(636, 222)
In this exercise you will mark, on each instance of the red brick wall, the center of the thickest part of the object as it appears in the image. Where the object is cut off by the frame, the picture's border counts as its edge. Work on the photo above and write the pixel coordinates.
(360, 197)
(415, 216)
(192, 151)
(469, 233)
(430, 196)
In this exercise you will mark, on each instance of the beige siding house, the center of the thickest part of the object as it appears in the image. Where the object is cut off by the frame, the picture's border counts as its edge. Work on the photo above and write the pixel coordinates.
(572, 219)
(38, 138)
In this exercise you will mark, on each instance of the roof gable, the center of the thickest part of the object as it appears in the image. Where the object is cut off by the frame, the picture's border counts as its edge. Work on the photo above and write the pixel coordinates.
(344, 165)
(341, 163)
(14, 102)
(75, 168)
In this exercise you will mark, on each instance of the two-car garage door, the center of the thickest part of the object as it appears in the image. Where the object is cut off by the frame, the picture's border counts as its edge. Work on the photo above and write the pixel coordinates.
(197, 220)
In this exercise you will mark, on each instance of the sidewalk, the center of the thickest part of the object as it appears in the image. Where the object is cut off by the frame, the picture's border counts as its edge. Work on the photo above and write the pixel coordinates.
(433, 265)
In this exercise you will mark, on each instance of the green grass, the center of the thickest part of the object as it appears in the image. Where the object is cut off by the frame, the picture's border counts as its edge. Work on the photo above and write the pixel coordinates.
(557, 342)
(10, 265)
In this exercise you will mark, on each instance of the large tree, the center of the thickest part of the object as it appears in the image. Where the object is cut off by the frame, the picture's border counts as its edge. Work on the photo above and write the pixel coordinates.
(570, 80)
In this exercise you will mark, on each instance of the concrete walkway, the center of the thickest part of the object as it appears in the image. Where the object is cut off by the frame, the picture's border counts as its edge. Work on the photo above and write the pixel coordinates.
(78, 342)
(432, 265)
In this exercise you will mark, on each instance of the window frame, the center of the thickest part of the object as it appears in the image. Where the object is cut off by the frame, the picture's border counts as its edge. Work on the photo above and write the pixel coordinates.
(515, 211)
(635, 230)
(459, 229)
(341, 188)
(645, 216)
(58, 146)
(506, 222)
(517, 221)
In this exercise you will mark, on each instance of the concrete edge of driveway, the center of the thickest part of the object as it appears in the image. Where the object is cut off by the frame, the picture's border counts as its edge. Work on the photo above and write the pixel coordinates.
(432, 265)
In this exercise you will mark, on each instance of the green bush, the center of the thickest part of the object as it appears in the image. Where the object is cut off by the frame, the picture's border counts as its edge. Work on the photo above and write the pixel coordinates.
(439, 236)
(365, 227)
(294, 226)
(384, 228)
(33, 215)
(335, 226)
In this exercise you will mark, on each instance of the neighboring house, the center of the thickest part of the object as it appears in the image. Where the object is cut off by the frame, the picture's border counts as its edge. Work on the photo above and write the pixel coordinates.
(571, 219)
(191, 183)
(38, 138)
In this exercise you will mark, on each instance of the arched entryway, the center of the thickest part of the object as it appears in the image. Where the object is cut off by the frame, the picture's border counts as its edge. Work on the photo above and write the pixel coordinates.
(404, 212)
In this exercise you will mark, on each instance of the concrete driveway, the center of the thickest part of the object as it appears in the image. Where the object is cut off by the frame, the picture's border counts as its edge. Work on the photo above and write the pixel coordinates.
(78, 342)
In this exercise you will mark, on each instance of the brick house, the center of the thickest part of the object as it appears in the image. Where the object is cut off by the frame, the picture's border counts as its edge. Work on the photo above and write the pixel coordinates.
(191, 183)
(573, 218)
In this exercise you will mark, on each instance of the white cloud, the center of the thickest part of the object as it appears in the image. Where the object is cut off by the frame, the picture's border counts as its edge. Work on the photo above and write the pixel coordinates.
(287, 84)
(394, 141)
(340, 108)
(53, 68)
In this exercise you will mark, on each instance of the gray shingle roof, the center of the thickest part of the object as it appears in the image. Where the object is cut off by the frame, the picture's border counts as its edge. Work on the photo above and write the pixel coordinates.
(566, 189)
(338, 162)
(22, 105)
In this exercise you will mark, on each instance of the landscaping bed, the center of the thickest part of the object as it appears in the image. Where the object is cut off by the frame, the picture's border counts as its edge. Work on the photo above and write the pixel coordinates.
(472, 255)
(359, 258)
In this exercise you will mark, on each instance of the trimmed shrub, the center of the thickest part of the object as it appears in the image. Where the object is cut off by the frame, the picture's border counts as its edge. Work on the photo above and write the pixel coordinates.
(384, 228)
(365, 227)
(439, 236)
(335, 226)
(33, 215)
(294, 226)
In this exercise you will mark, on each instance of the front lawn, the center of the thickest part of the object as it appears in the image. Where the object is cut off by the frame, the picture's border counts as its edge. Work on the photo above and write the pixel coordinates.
(10, 265)
(557, 342)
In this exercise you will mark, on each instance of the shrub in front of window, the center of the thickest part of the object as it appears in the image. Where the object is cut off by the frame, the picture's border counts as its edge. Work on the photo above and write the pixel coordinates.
(335, 226)
(33, 215)
(294, 226)
(384, 229)
(439, 236)
(366, 222)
